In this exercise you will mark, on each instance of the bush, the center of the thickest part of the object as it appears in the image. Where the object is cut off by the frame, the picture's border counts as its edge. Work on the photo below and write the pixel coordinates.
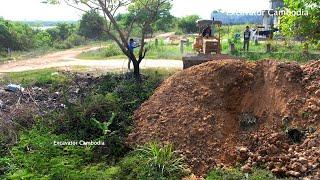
(62, 45)
(154, 162)
(112, 50)
(76, 40)
(91, 119)
(71, 41)
(43, 39)
(236, 174)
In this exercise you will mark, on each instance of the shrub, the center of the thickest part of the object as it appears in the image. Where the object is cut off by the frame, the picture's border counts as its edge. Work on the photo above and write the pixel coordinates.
(91, 119)
(76, 40)
(112, 50)
(154, 162)
(43, 39)
(62, 45)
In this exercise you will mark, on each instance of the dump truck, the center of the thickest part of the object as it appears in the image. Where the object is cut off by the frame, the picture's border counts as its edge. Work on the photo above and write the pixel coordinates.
(204, 46)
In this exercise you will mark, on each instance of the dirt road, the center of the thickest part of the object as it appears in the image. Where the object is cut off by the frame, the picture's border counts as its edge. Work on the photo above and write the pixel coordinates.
(67, 59)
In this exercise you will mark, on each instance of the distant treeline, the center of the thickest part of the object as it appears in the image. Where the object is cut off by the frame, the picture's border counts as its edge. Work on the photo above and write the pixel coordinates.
(47, 23)
(228, 18)
(20, 36)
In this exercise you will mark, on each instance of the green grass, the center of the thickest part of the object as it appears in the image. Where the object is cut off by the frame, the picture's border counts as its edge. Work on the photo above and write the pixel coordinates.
(299, 57)
(36, 157)
(155, 162)
(36, 78)
(104, 115)
(236, 174)
(162, 51)
(280, 51)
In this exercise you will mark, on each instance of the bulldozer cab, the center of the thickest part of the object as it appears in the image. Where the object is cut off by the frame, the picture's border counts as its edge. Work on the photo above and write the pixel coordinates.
(208, 44)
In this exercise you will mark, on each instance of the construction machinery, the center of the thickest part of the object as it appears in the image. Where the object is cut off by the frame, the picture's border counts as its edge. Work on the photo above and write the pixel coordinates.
(206, 46)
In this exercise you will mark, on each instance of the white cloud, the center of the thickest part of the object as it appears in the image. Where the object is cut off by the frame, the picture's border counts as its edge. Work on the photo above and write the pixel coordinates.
(35, 10)
(205, 7)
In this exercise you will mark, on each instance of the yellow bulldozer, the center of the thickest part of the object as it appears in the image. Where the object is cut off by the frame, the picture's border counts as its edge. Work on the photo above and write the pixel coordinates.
(208, 43)
(205, 44)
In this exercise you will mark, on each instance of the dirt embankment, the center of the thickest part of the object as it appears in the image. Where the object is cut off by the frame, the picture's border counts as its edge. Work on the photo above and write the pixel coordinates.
(231, 112)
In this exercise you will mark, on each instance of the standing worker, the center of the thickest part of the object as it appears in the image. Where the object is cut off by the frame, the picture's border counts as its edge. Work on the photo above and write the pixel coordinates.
(246, 38)
(131, 46)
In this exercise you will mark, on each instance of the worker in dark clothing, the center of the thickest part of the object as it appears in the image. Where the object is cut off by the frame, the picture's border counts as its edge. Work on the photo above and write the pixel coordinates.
(207, 32)
(246, 38)
(131, 46)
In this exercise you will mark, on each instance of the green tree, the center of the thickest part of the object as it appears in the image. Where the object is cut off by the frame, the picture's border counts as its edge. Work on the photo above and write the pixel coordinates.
(149, 10)
(188, 24)
(6, 39)
(306, 26)
(65, 30)
(54, 33)
(43, 39)
(162, 21)
(91, 25)
(23, 36)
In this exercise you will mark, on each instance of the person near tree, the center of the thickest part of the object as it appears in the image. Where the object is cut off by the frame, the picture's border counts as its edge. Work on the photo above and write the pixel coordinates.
(131, 46)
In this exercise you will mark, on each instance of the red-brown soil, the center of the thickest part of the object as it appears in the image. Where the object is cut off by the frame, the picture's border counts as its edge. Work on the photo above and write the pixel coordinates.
(201, 111)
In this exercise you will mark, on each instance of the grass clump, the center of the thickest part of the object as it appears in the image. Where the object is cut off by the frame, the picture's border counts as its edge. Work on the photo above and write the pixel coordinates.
(152, 161)
(237, 174)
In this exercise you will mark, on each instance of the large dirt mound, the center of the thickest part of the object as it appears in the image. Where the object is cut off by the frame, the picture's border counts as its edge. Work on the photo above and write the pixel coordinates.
(222, 113)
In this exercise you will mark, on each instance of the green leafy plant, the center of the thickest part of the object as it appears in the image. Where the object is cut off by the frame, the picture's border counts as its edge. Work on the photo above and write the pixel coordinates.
(155, 162)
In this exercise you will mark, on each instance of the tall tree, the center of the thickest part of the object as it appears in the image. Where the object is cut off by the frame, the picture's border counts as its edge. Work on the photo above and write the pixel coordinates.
(188, 24)
(92, 25)
(6, 40)
(149, 10)
(305, 25)
(65, 30)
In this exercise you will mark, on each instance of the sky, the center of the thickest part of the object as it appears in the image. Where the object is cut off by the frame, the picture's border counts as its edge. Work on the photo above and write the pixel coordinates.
(30, 10)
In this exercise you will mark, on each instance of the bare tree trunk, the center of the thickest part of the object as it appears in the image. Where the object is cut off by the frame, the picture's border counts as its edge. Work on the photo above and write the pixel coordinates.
(136, 71)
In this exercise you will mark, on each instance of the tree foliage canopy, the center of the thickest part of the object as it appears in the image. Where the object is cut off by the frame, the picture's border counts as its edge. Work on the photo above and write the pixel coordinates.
(188, 24)
(16, 36)
(92, 25)
(302, 26)
(146, 13)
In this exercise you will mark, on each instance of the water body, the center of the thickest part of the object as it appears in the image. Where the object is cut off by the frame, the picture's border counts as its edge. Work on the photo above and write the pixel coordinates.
(43, 27)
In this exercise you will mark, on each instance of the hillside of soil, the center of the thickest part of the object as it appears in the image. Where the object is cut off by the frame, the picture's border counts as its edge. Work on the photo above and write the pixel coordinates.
(237, 113)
